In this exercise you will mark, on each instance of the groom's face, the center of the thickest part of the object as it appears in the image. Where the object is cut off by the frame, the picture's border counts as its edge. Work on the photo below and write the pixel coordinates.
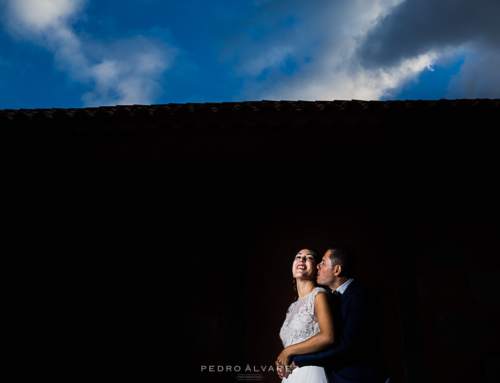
(325, 274)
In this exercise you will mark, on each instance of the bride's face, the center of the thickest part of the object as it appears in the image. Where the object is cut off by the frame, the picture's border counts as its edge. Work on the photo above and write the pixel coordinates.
(304, 265)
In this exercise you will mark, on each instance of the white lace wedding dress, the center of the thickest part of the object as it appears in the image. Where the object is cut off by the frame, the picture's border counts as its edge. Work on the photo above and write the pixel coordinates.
(301, 323)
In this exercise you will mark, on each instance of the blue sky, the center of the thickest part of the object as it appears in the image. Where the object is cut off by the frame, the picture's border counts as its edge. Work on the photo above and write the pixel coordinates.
(77, 53)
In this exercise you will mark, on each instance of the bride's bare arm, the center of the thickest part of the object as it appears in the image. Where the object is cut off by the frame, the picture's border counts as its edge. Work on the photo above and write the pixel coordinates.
(319, 342)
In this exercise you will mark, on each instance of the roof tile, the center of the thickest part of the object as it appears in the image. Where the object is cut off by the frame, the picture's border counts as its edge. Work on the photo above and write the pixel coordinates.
(247, 112)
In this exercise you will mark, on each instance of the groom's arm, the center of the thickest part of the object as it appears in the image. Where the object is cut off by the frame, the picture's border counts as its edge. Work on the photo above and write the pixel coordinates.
(355, 328)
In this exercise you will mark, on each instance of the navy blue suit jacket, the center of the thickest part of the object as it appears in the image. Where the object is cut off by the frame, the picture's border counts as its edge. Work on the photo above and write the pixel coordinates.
(357, 356)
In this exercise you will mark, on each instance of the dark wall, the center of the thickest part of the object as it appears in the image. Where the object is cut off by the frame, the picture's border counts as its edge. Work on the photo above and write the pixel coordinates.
(172, 249)
(458, 288)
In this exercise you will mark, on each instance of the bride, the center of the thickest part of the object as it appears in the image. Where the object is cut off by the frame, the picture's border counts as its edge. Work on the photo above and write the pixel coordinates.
(309, 316)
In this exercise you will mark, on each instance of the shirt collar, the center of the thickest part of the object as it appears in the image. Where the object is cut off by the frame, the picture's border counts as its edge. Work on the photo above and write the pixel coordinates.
(343, 286)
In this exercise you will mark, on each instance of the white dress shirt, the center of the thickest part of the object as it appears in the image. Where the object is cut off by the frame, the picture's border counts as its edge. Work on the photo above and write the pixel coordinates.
(343, 286)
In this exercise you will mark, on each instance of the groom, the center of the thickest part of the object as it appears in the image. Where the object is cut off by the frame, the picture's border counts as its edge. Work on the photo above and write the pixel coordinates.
(357, 356)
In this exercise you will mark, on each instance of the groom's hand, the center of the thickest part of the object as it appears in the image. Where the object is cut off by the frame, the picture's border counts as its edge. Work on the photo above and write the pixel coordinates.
(289, 369)
(278, 370)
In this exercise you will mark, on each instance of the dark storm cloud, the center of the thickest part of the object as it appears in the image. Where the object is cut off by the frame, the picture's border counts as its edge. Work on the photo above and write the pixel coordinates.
(418, 26)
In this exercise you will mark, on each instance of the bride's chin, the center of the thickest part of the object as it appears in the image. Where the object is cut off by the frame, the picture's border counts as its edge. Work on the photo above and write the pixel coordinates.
(305, 278)
(299, 276)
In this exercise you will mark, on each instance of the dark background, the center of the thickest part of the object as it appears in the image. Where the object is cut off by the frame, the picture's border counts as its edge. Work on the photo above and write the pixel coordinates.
(157, 251)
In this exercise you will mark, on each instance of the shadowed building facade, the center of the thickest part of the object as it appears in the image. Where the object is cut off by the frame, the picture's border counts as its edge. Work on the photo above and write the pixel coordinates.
(174, 228)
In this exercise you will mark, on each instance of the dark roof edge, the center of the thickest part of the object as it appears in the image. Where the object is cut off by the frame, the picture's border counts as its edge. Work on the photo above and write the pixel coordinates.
(247, 112)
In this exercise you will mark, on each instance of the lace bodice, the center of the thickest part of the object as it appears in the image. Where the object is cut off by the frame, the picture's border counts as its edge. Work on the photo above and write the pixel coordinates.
(301, 322)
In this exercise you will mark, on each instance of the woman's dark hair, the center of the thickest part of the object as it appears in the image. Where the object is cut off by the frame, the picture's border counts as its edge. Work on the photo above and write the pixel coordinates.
(318, 260)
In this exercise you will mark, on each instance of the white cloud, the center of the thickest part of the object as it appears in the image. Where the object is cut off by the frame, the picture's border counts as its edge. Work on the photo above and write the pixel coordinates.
(127, 71)
(28, 16)
(342, 81)
(341, 50)
(330, 33)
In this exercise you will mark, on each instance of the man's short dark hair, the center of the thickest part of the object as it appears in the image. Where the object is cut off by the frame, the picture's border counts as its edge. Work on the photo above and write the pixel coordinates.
(345, 257)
